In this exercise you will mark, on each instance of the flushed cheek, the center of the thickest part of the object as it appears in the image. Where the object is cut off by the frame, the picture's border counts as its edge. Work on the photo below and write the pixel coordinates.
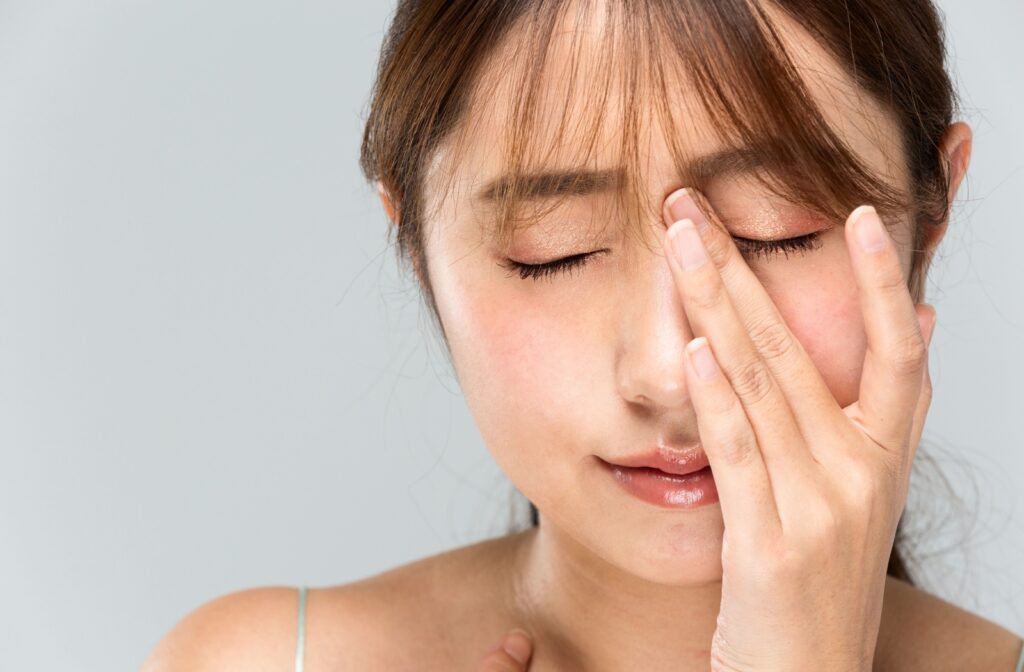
(823, 312)
(527, 373)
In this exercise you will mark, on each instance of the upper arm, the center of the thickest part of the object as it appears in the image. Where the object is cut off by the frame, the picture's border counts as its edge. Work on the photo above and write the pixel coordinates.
(249, 630)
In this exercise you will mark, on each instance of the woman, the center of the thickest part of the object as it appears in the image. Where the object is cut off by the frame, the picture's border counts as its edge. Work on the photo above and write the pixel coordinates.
(677, 252)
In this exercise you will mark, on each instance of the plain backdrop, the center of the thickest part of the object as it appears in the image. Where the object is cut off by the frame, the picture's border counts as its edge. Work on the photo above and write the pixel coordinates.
(214, 375)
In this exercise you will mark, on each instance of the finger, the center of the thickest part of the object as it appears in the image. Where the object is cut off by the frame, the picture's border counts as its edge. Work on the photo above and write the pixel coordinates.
(927, 316)
(892, 375)
(711, 312)
(512, 654)
(749, 509)
(811, 402)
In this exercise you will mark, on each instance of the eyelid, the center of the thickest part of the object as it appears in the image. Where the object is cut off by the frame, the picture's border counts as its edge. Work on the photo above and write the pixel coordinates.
(773, 247)
(549, 268)
(802, 244)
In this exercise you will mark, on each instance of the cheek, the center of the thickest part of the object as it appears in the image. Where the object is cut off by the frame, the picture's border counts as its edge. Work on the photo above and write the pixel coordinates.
(517, 358)
(821, 306)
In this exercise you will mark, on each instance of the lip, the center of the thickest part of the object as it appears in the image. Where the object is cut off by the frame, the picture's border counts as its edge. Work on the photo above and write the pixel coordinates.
(668, 460)
(689, 484)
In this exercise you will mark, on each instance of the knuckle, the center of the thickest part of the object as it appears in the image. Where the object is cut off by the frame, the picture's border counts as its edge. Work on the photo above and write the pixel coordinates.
(752, 381)
(738, 449)
(927, 392)
(725, 407)
(865, 478)
(827, 525)
(718, 247)
(706, 295)
(772, 339)
(908, 355)
(865, 485)
(890, 277)
(927, 396)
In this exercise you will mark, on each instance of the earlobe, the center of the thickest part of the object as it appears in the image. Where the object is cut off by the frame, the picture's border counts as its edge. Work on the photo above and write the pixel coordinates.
(389, 204)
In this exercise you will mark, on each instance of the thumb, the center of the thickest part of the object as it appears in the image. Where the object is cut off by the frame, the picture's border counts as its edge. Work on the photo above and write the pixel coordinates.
(511, 655)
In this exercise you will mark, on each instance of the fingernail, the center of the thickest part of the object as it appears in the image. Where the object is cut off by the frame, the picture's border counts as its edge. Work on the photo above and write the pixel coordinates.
(870, 233)
(703, 360)
(682, 206)
(517, 644)
(688, 246)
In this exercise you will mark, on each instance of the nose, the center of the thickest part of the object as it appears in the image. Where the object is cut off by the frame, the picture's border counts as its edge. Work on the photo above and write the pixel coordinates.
(654, 331)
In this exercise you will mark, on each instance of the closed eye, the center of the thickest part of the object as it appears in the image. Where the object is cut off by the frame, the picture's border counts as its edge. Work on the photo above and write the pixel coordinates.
(538, 271)
(747, 246)
(769, 248)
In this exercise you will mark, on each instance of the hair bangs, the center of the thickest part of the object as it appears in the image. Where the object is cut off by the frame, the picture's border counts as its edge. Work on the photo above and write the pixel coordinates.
(569, 68)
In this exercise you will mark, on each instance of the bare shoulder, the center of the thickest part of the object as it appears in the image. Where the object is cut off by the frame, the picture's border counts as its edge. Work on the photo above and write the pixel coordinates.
(446, 609)
(252, 630)
(922, 631)
(361, 625)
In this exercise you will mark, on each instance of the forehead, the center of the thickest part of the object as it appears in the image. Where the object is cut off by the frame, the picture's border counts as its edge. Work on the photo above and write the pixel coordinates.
(594, 82)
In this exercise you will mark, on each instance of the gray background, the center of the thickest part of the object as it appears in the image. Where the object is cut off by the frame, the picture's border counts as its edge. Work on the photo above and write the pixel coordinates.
(213, 375)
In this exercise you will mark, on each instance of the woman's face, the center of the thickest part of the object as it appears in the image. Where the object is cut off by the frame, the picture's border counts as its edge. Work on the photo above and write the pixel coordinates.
(561, 370)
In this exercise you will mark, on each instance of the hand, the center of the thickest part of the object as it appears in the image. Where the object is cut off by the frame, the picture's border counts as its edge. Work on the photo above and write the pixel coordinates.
(810, 492)
(511, 654)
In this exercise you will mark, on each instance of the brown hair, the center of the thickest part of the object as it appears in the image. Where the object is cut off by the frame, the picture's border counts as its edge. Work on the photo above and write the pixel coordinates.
(437, 58)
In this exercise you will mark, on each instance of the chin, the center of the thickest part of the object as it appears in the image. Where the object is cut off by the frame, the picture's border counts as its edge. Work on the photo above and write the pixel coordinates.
(680, 549)
(682, 553)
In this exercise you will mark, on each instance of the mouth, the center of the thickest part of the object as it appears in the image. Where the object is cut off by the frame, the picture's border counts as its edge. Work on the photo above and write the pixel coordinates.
(689, 490)
(658, 473)
(668, 461)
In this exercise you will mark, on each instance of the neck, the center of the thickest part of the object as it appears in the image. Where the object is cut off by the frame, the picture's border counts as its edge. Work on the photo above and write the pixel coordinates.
(585, 613)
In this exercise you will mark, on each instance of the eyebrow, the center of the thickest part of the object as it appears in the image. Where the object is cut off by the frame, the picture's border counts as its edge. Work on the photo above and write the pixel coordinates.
(730, 162)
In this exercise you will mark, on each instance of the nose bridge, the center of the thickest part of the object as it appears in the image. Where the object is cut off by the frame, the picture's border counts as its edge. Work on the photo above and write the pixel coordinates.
(654, 332)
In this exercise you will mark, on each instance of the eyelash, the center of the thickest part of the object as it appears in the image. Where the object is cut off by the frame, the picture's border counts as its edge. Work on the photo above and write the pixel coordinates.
(538, 271)
(800, 244)
(768, 248)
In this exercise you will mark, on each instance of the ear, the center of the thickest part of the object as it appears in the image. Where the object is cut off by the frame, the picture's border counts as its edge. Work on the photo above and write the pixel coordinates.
(955, 150)
(389, 205)
(393, 214)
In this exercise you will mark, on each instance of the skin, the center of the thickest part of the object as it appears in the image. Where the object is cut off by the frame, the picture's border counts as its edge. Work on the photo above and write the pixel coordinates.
(593, 364)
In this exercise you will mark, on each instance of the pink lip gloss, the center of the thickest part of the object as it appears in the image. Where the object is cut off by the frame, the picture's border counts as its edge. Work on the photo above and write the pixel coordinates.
(670, 491)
